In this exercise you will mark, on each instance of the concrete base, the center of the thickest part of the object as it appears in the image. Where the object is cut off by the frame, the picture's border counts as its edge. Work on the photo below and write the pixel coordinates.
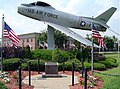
(50, 75)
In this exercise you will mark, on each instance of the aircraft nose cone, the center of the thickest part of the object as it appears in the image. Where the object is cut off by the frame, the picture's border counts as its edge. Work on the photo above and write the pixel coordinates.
(21, 9)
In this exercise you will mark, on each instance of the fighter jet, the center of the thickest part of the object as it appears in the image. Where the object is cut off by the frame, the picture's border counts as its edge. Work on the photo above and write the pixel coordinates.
(62, 21)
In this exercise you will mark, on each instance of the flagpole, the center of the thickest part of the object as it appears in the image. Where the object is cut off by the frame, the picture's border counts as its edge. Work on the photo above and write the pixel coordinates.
(118, 50)
(92, 50)
(2, 44)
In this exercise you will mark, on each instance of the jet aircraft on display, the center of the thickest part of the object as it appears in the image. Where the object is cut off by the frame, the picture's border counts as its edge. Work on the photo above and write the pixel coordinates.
(62, 21)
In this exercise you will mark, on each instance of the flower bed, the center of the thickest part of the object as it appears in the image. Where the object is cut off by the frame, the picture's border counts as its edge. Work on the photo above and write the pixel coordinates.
(11, 79)
(93, 82)
(13, 83)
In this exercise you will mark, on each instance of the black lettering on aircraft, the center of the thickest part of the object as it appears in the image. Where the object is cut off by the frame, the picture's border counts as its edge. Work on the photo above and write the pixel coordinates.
(31, 10)
(39, 12)
(51, 15)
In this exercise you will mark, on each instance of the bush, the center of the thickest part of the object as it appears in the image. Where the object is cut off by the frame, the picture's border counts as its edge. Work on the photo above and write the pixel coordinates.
(68, 64)
(42, 54)
(99, 66)
(99, 57)
(34, 65)
(26, 52)
(56, 56)
(11, 64)
(66, 55)
(111, 59)
(60, 56)
(47, 55)
(24, 66)
(109, 63)
(87, 65)
(2, 86)
(60, 66)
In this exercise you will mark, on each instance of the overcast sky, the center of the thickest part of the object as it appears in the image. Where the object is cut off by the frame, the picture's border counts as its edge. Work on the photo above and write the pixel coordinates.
(21, 24)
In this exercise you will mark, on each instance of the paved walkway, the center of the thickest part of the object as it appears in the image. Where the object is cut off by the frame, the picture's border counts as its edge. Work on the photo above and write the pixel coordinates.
(50, 83)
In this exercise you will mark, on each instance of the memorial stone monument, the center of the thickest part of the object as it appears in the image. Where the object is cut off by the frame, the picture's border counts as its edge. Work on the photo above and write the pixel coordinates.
(51, 70)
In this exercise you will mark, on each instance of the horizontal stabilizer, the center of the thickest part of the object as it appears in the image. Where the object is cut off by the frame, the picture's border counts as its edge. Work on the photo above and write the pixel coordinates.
(72, 34)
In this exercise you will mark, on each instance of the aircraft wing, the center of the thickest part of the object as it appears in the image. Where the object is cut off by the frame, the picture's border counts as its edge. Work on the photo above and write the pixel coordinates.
(72, 34)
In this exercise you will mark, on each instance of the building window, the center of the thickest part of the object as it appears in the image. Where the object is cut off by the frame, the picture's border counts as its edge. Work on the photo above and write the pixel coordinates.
(27, 40)
(31, 40)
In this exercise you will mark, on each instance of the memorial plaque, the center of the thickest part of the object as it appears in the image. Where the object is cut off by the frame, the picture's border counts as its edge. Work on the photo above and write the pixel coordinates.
(51, 68)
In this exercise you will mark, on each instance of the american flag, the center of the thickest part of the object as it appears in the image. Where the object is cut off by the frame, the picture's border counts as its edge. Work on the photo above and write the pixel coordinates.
(9, 33)
(96, 34)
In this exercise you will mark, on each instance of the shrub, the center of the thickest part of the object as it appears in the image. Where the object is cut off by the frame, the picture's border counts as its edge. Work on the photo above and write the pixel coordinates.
(68, 64)
(99, 66)
(109, 63)
(85, 53)
(111, 59)
(98, 57)
(24, 66)
(60, 66)
(87, 65)
(47, 55)
(60, 55)
(56, 56)
(66, 55)
(42, 54)
(11, 64)
(26, 52)
(34, 65)
(2, 86)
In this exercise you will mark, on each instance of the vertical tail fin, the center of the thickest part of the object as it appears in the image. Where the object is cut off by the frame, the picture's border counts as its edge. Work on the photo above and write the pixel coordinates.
(104, 17)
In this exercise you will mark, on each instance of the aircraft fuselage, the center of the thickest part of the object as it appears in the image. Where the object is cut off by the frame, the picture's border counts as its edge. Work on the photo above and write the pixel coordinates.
(51, 15)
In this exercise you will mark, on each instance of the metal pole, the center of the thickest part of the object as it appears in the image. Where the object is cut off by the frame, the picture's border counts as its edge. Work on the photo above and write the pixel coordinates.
(29, 73)
(2, 44)
(63, 65)
(82, 67)
(85, 79)
(92, 50)
(73, 74)
(38, 65)
(118, 50)
(20, 79)
(92, 64)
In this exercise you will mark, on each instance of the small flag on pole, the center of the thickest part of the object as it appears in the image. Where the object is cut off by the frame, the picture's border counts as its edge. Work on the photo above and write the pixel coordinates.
(96, 34)
(9, 33)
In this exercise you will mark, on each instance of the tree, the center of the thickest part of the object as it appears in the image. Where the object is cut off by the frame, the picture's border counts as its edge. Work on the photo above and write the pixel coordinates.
(109, 42)
(56, 55)
(43, 36)
(60, 39)
(26, 53)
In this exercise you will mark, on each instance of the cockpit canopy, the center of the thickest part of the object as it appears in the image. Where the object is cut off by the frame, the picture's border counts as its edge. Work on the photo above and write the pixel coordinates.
(38, 3)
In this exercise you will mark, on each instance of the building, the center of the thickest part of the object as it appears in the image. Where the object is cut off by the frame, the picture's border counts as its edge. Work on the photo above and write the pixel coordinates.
(25, 39)
(31, 40)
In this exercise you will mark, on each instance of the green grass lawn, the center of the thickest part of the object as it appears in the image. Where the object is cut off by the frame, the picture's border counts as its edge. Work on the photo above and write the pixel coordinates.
(111, 82)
